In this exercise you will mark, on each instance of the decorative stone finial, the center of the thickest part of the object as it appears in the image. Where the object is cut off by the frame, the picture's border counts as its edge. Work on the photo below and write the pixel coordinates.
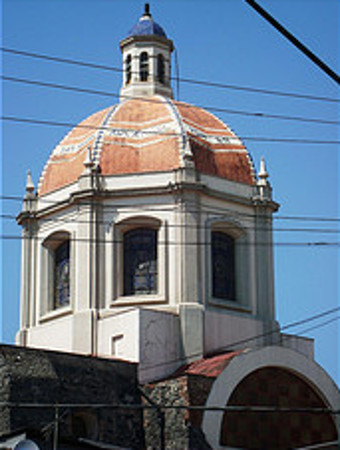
(88, 163)
(30, 196)
(147, 10)
(263, 174)
(263, 185)
(29, 183)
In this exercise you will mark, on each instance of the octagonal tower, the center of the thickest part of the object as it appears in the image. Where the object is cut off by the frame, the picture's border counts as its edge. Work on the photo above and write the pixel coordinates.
(150, 236)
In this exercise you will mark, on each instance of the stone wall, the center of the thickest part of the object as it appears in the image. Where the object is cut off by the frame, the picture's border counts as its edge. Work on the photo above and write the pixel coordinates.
(41, 377)
(46, 377)
(182, 427)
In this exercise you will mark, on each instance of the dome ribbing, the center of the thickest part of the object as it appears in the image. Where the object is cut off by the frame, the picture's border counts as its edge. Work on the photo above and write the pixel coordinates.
(153, 134)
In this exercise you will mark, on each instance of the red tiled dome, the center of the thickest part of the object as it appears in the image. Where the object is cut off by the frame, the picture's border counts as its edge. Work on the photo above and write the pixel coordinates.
(149, 134)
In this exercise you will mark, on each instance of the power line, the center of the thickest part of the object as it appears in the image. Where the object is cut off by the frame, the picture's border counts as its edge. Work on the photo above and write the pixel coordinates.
(175, 243)
(272, 332)
(262, 335)
(275, 331)
(186, 226)
(312, 56)
(150, 100)
(140, 406)
(184, 80)
(215, 211)
(325, 445)
(320, 325)
(168, 134)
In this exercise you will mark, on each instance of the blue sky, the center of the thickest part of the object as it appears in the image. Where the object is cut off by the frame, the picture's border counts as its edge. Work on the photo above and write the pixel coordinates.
(222, 41)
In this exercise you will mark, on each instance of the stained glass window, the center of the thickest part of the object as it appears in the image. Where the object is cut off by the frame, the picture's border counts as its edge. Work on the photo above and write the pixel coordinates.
(62, 275)
(144, 66)
(160, 69)
(223, 265)
(140, 261)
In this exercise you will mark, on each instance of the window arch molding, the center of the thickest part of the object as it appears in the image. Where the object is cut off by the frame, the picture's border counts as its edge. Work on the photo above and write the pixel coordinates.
(56, 273)
(238, 239)
(141, 229)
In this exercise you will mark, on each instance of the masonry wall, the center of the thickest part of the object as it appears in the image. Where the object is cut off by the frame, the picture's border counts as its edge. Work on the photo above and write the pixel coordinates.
(181, 427)
(45, 377)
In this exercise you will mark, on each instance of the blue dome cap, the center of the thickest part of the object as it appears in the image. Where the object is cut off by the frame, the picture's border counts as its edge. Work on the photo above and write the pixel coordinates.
(147, 26)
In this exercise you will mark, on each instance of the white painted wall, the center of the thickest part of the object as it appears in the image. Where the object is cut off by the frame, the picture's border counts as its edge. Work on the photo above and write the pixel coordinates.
(118, 335)
(142, 335)
(300, 344)
(134, 46)
(160, 344)
(53, 335)
(182, 320)
(230, 329)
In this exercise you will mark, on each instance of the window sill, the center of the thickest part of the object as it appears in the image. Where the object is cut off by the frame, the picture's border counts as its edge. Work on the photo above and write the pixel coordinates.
(56, 313)
(229, 304)
(130, 300)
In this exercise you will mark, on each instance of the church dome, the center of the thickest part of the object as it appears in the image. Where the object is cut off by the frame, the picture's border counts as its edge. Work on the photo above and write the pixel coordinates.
(149, 134)
(146, 26)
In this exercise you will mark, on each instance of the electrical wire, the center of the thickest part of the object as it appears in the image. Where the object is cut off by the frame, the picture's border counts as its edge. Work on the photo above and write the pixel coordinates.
(275, 331)
(218, 212)
(150, 100)
(169, 225)
(293, 39)
(169, 242)
(215, 211)
(184, 80)
(167, 134)
(227, 348)
(236, 344)
(137, 406)
(325, 445)
(320, 325)
(257, 409)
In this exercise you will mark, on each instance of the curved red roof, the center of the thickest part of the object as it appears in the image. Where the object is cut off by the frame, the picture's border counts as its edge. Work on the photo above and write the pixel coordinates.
(150, 134)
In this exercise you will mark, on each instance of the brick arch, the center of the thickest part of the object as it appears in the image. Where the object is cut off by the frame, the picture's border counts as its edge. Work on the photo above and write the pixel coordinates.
(309, 374)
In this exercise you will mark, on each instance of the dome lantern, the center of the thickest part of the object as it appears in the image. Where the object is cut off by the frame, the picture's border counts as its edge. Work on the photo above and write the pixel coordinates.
(146, 55)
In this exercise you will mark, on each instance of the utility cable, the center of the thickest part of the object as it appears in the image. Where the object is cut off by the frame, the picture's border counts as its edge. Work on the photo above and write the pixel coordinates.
(227, 226)
(236, 344)
(167, 134)
(219, 212)
(320, 325)
(322, 445)
(184, 80)
(312, 56)
(169, 242)
(151, 100)
(139, 406)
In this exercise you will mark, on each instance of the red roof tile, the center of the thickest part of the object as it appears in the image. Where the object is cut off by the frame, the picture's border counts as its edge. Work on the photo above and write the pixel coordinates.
(148, 135)
(210, 366)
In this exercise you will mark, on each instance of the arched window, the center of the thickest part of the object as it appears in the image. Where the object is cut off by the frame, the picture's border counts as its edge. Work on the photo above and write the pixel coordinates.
(223, 265)
(128, 69)
(55, 280)
(160, 69)
(140, 261)
(61, 278)
(143, 66)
